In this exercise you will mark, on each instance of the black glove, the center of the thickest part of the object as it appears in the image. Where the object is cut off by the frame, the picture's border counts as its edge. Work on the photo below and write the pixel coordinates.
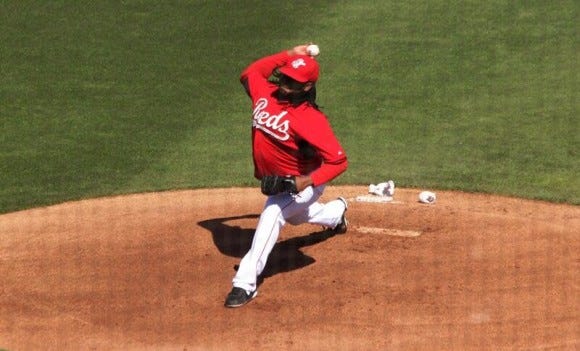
(273, 184)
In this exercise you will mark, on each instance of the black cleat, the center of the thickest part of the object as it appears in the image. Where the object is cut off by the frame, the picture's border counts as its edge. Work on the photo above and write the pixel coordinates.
(239, 297)
(342, 226)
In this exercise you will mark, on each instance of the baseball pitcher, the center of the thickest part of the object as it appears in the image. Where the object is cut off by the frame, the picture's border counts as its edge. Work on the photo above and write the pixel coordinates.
(295, 153)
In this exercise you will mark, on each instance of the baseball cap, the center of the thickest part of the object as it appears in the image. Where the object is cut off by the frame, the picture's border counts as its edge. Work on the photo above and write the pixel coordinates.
(302, 68)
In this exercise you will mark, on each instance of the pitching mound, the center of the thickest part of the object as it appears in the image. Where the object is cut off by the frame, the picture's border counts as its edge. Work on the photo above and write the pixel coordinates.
(151, 271)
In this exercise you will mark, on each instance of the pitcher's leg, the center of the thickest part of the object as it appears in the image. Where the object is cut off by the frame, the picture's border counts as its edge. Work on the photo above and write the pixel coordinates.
(265, 237)
(328, 215)
(277, 209)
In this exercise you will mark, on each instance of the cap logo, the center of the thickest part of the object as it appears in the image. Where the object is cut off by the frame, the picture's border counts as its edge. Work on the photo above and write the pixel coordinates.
(298, 62)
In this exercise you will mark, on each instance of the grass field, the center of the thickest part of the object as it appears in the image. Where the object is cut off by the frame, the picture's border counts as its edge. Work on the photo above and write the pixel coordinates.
(115, 97)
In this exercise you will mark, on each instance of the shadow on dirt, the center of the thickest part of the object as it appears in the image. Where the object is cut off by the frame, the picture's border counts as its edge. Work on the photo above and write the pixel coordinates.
(286, 256)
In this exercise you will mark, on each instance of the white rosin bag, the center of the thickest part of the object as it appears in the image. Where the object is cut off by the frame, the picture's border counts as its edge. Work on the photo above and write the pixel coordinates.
(381, 192)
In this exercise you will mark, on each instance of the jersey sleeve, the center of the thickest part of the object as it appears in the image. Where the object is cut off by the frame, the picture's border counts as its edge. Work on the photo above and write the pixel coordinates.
(319, 134)
(258, 72)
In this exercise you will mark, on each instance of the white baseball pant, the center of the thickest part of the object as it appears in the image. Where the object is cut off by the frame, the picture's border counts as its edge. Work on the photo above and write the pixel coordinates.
(279, 210)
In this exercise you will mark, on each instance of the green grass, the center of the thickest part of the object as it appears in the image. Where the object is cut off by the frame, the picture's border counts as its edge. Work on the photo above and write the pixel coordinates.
(472, 97)
(112, 97)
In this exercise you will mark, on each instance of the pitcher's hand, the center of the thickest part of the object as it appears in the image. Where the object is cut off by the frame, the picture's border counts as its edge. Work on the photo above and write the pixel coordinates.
(299, 50)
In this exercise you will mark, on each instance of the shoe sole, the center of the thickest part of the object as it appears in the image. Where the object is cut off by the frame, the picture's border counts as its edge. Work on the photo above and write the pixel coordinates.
(253, 296)
(343, 227)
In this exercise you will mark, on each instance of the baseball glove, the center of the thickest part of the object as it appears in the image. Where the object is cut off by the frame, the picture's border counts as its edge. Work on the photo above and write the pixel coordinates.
(273, 185)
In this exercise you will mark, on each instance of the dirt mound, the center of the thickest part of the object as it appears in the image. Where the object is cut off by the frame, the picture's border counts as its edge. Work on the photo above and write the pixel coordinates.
(151, 271)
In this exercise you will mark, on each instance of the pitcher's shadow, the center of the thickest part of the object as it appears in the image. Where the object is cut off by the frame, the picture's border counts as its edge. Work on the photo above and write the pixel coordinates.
(235, 241)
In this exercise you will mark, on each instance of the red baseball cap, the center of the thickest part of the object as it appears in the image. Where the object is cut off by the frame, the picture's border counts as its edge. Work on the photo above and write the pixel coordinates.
(301, 68)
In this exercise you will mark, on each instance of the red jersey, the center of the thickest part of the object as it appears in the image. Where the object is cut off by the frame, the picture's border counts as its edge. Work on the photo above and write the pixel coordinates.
(279, 128)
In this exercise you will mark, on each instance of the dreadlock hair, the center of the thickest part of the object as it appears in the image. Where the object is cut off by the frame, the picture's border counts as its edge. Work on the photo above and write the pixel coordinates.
(295, 99)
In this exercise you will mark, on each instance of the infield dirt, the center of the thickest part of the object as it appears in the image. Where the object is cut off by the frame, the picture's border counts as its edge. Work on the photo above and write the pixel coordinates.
(151, 271)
